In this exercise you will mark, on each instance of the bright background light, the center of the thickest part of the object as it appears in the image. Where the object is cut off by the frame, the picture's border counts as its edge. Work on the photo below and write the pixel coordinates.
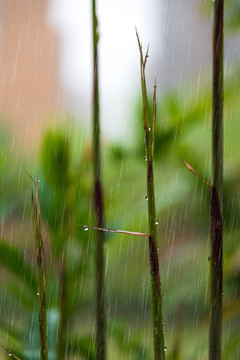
(118, 52)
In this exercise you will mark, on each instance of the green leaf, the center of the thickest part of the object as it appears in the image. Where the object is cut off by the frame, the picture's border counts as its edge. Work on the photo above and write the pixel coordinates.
(83, 346)
(14, 261)
(55, 158)
(133, 344)
(12, 332)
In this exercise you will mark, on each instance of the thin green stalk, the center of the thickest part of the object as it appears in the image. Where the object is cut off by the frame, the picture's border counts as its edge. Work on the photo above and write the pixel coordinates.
(98, 202)
(156, 293)
(41, 269)
(215, 331)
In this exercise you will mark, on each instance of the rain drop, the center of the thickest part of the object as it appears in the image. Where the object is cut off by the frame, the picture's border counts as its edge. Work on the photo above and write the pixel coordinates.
(157, 222)
(165, 348)
(9, 354)
(37, 293)
(85, 228)
(146, 197)
(145, 158)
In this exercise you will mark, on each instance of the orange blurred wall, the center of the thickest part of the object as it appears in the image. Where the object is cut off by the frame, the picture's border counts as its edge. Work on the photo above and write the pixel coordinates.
(30, 93)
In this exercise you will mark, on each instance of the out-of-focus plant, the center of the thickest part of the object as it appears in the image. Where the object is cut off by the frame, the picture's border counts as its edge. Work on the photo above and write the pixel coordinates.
(64, 202)
(56, 164)
(232, 14)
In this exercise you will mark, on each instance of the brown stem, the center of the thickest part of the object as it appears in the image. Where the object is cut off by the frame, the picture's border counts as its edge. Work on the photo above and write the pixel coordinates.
(98, 202)
(215, 331)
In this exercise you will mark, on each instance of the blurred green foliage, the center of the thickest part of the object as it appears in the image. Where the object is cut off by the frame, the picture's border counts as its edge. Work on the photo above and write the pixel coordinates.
(231, 14)
(182, 201)
(183, 131)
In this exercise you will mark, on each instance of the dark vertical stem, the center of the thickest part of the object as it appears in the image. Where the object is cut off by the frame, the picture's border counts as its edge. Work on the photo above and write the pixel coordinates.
(215, 332)
(41, 270)
(156, 293)
(98, 202)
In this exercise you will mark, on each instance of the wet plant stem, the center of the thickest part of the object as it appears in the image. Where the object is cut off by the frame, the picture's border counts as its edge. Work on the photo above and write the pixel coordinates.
(98, 202)
(156, 293)
(41, 269)
(215, 331)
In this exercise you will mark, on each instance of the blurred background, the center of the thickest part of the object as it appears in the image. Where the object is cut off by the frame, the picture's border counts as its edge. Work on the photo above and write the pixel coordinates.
(45, 121)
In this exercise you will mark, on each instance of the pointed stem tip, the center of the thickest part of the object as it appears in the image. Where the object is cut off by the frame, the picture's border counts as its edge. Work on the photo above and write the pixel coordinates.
(190, 168)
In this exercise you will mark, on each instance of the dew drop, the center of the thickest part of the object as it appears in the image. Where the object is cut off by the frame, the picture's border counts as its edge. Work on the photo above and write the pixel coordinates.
(157, 222)
(165, 348)
(37, 293)
(145, 158)
(146, 197)
(85, 228)
(9, 354)
(149, 128)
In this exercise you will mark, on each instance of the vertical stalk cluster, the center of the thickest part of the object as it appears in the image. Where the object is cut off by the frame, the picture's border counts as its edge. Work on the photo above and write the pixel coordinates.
(41, 269)
(215, 332)
(98, 201)
(56, 170)
(157, 316)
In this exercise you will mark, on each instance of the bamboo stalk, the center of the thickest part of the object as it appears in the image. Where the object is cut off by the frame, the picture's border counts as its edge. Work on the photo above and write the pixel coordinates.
(98, 202)
(215, 331)
(41, 269)
(156, 293)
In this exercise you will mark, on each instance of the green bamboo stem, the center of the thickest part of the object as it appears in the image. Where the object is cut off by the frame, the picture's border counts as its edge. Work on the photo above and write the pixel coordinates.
(41, 269)
(215, 331)
(156, 293)
(98, 202)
